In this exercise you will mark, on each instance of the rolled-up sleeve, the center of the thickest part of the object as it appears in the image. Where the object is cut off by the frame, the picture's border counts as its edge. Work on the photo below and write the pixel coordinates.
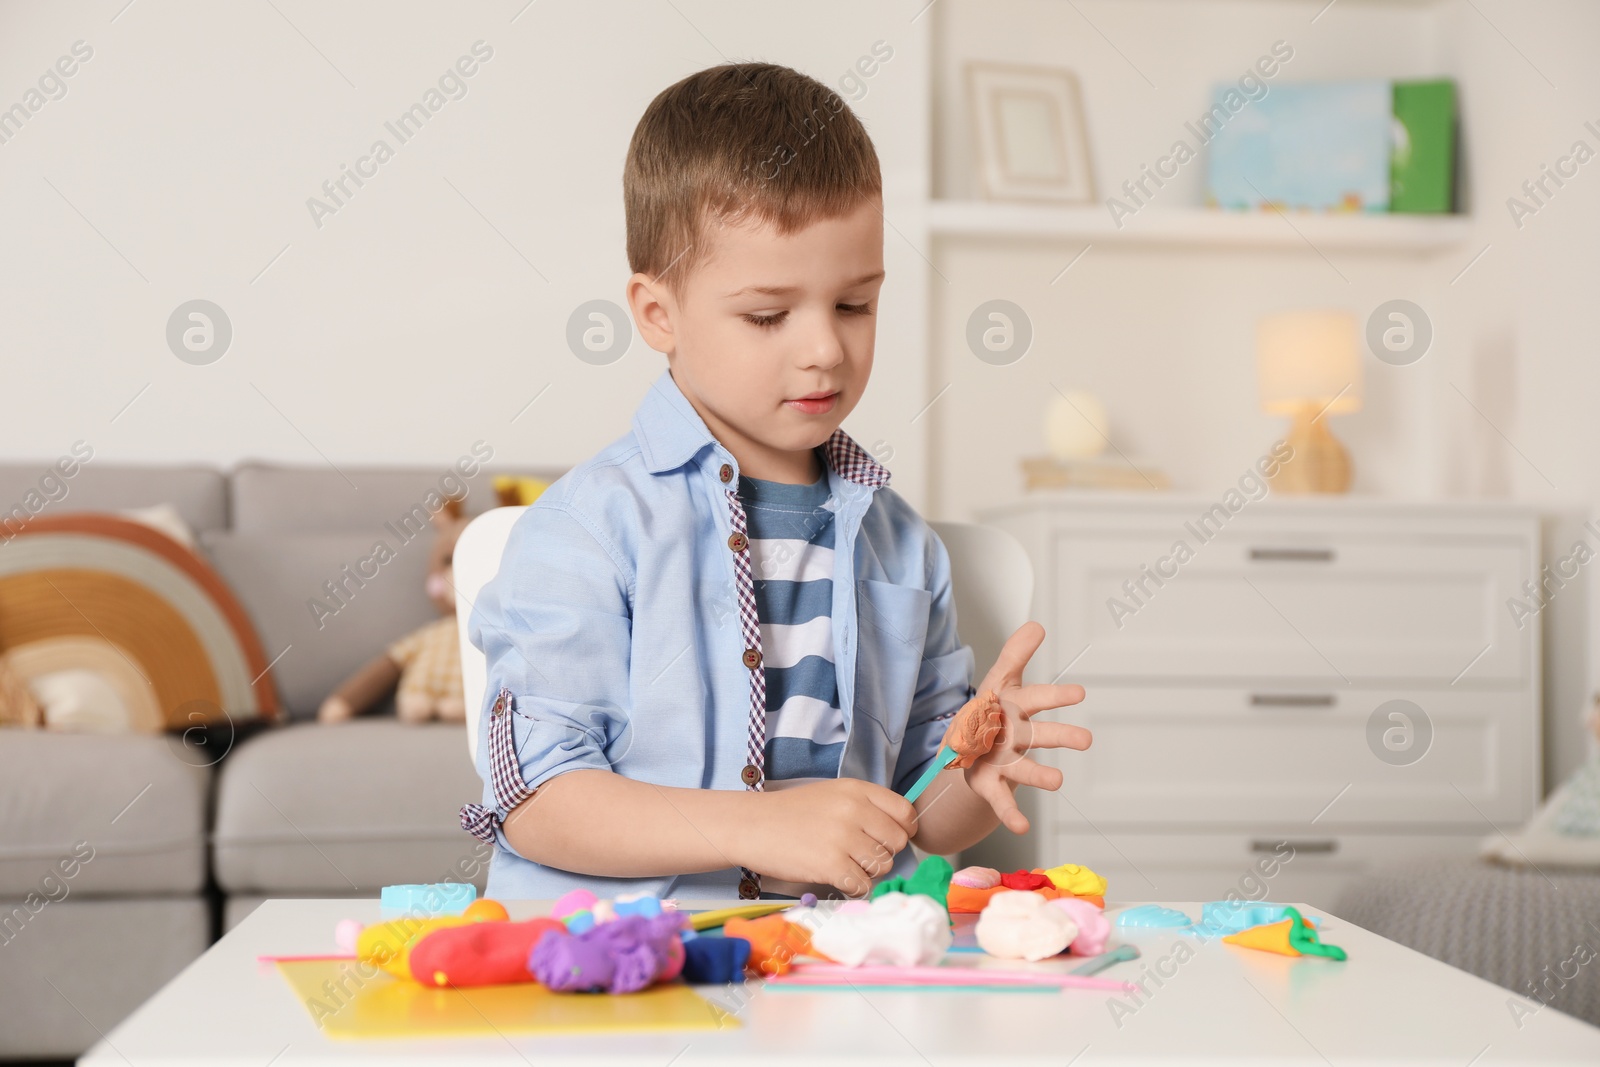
(944, 682)
(554, 626)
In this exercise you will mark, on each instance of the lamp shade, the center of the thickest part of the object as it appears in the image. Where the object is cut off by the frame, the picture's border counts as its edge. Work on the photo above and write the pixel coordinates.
(1309, 358)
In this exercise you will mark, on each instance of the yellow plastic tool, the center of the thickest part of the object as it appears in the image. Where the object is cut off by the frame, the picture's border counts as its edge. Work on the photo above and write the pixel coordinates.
(707, 920)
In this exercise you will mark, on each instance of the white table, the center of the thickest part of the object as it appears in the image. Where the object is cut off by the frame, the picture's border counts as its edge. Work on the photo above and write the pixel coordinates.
(1224, 1005)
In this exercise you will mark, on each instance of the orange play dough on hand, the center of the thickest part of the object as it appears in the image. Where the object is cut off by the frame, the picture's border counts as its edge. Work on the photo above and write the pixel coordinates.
(975, 729)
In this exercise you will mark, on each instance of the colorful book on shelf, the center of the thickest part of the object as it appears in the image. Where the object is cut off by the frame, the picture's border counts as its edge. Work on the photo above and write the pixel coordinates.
(1301, 146)
(1368, 145)
(1422, 175)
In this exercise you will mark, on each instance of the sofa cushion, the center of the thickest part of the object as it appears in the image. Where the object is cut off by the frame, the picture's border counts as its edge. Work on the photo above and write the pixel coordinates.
(94, 815)
(102, 959)
(346, 808)
(318, 638)
(271, 499)
(199, 494)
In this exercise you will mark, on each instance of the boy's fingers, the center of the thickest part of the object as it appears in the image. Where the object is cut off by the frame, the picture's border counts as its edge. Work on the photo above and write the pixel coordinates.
(895, 806)
(1030, 772)
(851, 880)
(1036, 734)
(1014, 656)
(1030, 700)
(1005, 806)
(887, 836)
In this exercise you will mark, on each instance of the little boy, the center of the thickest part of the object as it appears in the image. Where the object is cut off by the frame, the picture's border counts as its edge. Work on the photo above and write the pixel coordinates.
(721, 650)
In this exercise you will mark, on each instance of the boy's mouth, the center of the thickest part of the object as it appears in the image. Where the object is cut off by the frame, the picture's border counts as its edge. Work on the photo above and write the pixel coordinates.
(814, 403)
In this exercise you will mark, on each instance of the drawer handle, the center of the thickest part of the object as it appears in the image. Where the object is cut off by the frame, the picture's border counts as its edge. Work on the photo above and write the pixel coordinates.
(1291, 700)
(1324, 846)
(1292, 555)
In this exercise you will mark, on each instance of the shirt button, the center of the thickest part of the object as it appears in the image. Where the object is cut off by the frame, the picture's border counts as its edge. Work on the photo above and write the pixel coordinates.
(750, 774)
(747, 889)
(726, 473)
(738, 542)
(752, 658)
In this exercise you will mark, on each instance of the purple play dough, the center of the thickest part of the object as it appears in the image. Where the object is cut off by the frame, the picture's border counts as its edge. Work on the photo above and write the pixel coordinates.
(621, 956)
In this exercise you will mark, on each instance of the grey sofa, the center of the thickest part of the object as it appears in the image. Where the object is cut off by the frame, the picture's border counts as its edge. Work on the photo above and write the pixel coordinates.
(170, 844)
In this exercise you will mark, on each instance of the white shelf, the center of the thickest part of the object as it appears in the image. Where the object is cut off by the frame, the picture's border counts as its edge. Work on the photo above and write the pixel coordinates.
(1201, 227)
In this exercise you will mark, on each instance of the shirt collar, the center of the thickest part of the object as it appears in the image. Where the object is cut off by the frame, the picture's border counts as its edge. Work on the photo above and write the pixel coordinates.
(671, 433)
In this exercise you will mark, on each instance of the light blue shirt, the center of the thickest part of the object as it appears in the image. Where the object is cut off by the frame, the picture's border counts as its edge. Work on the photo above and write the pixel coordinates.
(613, 626)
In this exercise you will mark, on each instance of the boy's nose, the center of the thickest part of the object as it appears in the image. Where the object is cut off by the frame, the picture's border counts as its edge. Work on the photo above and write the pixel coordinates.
(825, 351)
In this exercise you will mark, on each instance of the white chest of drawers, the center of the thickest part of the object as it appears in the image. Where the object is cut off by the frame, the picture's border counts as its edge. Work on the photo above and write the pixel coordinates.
(1337, 681)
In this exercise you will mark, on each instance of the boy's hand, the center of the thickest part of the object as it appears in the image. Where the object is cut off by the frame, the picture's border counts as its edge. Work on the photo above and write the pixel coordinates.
(842, 832)
(994, 777)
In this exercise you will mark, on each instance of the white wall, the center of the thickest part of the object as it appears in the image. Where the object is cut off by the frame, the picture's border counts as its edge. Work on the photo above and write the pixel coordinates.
(432, 307)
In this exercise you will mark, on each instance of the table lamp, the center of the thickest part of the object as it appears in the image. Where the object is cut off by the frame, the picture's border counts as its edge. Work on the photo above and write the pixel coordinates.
(1310, 367)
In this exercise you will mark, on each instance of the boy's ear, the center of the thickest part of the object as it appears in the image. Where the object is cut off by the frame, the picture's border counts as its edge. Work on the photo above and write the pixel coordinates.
(653, 309)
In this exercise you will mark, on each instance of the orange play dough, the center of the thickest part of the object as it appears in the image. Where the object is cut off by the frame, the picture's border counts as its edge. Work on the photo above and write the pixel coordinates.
(1271, 937)
(975, 729)
(774, 942)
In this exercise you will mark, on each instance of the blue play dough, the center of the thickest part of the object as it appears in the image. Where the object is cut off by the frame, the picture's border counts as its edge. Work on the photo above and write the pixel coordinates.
(1231, 916)
(1153, 916)
(428, 900)
(714, 960)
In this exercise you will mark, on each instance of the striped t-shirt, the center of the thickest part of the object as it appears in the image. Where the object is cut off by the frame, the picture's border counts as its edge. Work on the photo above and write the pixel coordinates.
(791, 551)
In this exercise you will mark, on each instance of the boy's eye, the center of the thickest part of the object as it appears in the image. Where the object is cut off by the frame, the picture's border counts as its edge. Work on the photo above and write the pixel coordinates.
(757, 319)
(856, 309)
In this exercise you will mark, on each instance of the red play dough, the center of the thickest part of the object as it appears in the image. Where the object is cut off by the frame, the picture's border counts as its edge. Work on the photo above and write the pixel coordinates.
(964, 900)
(1025, 880)
(483, 953)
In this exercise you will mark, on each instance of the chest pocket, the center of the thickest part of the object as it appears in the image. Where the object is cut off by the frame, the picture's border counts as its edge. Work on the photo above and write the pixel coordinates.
(892, 627)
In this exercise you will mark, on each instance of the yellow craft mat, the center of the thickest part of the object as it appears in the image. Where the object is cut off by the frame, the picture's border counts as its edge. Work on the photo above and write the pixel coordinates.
(344, 1005)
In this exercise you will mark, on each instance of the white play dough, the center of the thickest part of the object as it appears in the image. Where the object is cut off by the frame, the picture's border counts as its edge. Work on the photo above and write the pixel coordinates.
(1018, 925)
(897, 929)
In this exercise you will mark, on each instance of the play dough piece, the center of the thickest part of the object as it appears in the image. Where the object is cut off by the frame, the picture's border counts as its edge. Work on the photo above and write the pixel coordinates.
(638, 904)
(774, 942)
(1025, 880)
(714, 960)
(621, 956)
(975, 729)
(480, 953)
(345, 935)
(486, 910)
(1231, 916)
(1024, 926)
(896, 929)
(976, 877)
(931, 879)
(1290, 936)
(1075, 880)
(388, 945)
(964, 901)
(1153, 915)
(1094, 930)
(427, 900)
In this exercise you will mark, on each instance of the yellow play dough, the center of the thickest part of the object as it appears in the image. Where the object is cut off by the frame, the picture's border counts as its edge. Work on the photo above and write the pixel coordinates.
(1079, 881)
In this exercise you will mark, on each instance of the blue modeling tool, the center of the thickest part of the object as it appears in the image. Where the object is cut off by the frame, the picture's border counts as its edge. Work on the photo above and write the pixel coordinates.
(943, 759)
(1120, 954)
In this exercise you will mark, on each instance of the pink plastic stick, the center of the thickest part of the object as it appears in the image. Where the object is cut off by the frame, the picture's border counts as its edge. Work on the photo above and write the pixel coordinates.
(301, 959)
(819, 973)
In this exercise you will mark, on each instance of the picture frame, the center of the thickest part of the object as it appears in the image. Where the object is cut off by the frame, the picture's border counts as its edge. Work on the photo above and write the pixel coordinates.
(1031, 136)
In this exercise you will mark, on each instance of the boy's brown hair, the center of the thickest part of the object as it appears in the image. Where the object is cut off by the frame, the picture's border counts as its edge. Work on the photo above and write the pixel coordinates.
(740, 142)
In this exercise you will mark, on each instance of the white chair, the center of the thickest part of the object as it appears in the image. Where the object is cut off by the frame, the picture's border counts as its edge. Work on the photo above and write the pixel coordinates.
(477, 559)
(990, 570)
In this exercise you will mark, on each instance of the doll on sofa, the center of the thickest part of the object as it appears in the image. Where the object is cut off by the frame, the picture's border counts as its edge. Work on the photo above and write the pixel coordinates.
(426, 663)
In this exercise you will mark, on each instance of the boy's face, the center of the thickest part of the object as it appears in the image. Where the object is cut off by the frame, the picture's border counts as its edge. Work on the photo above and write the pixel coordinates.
(772, 337)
